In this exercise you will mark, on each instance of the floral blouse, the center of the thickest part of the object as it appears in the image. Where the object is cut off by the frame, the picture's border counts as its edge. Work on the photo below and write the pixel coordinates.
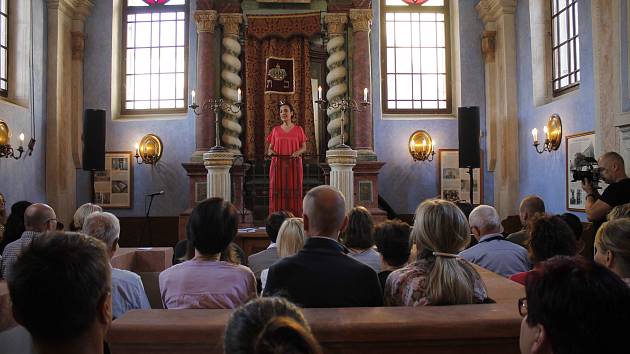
(408, 286)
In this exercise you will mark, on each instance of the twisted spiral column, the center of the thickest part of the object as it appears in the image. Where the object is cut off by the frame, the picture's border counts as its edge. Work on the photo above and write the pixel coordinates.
(231, 81)
(336, 78)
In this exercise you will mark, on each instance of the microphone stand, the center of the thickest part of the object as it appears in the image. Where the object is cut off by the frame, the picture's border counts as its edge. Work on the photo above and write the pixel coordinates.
(470, 172)
(147, 220)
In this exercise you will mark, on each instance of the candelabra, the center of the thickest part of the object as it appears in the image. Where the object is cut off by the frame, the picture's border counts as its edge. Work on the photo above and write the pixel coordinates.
(217, 105)
(345, 104)
(553, 135)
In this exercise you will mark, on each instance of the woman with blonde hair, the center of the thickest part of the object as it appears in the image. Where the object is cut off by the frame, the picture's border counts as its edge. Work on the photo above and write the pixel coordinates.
(82, 212)
(291, 239)
(612, 247)
(438, 276)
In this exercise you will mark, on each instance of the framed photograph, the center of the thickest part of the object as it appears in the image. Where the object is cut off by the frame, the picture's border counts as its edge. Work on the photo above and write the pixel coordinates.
(580, 155)
(113, 188)
(455, 181)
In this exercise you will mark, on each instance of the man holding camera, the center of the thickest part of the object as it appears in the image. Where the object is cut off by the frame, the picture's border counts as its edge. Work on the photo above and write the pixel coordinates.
(612, 171)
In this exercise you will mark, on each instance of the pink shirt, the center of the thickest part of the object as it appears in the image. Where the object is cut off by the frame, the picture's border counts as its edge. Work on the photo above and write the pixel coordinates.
(206, 285)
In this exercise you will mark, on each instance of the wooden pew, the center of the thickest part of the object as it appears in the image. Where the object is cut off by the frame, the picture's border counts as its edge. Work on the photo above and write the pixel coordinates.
(487, 328)
(150, 259)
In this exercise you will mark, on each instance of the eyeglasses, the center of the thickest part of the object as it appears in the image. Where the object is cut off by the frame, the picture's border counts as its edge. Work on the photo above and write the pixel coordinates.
(51, 219)
(522, 306)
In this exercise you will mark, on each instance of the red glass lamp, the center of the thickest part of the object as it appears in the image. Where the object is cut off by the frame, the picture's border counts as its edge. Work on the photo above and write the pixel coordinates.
(412, 2)
(157, 2)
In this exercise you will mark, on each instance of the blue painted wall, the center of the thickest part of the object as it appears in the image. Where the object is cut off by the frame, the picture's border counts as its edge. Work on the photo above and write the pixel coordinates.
(402, 182)
(177, 134)
(544, 174)
(25, 179)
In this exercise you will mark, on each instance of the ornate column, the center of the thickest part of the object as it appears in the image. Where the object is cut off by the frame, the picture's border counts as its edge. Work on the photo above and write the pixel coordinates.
(341, 163)
(64, 101)
(207, 57)
(231, 79)
(501, 100)
(336, 78)
(361, 78)
(218, 164)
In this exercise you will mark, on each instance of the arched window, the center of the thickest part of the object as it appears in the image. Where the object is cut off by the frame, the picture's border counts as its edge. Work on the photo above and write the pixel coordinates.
(155, 56)
(565, 42)
(415, 54)
(4, 47)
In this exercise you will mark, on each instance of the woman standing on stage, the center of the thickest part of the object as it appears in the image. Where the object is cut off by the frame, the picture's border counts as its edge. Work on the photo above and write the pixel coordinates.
(287, 143)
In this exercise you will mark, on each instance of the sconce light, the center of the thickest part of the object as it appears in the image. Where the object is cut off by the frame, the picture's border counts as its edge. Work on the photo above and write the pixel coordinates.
(6, 150)
(553, 135)
(421, 146)
(149, 150)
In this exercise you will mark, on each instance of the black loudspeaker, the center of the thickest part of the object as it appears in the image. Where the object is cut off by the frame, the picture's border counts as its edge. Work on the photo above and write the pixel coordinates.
(94, 140)
(468, 125)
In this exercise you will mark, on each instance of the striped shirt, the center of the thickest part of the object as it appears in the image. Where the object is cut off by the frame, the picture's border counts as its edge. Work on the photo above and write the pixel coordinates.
(13, 250)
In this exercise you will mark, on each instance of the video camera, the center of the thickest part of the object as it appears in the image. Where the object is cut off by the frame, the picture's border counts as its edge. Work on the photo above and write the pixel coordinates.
(585, 168)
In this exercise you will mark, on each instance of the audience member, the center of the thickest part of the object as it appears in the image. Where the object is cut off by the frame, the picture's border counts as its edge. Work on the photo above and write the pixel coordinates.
(15, 223)
(392, 240)
(264, 259)
(205, 281)
(127, 289)
(612, 247)
(359, 238)
(466, 208)
(575, 306)
(3, 216)
(60, 289)
(439, 276)
(234, 254)
(269, 325)
(575, 224)
(548, 236)
(321, 274)
(82, 212)
(493, 252)
(290, 239)
(531, 206)
(620, 211)
(38, 218)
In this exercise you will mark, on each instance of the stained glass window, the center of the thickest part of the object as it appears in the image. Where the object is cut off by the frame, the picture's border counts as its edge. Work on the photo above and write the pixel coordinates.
(4, 47)
(415, 56)
(156, 52)
(565, 45)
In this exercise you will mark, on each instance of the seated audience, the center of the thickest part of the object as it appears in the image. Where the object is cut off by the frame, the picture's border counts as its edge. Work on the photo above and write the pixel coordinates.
(530, 207)
(60, 289)
(291, 239)
(205, 281)
(234, 254)
(576, 306)
(575, 224)
(359, 238)
(548, 236)
(38, 218)
(612, 247)
(82, 212)
(392, 240)
(466, 208)
(438, 276)
(3, 216)
(620, 211)
(15, 223)
(127, 289)
(493, 252)
(269, 325)
(321, 274)
(264, 259)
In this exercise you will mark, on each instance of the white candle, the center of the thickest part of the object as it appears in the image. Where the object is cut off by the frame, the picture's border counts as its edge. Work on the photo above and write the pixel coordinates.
(238, 95)
(21, 138)
(319, 92)
(535, 135)
(138, 146)
(193, 96)
(365, 92)
(546, 133)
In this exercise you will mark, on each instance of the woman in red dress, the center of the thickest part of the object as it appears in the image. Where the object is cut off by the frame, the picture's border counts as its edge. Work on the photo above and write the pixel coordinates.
(287, 143)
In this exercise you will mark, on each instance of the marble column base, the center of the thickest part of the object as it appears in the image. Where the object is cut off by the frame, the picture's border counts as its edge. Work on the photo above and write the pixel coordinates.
(341, 163)
(218, 164)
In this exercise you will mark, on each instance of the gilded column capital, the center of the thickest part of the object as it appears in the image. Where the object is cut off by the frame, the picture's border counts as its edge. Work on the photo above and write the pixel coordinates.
(361, 19)
(335, 23)
(231, 23)
(205, 20)
(78, 43)
(488, 45)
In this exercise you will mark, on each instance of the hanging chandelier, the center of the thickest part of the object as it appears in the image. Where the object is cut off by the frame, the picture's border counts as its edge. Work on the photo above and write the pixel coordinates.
(155, 2)
(414, 2)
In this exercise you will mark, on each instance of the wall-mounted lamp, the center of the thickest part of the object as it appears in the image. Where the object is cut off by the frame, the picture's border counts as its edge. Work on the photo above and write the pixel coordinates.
(421, 146)
(6, 150)
(149, 150)
(553, 135)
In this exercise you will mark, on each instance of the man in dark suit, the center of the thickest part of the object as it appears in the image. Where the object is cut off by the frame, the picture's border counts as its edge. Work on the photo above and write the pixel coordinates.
(321, 274)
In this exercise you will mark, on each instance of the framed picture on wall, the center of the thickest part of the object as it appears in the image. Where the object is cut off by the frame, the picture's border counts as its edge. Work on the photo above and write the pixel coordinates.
(455, 181)
(580, 155)
(113, 188)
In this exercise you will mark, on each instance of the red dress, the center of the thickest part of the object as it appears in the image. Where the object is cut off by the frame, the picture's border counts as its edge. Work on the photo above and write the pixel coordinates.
(285, 172)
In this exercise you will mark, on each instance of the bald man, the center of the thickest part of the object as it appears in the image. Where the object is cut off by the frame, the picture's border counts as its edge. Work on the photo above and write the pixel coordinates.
(531, 206)
(322, 274)
(612, 171)
(38, 218)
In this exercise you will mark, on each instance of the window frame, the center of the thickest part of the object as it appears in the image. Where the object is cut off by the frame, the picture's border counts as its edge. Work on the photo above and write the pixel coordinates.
(124, 111)
(5, 92)
(572, 56)
(447, 57)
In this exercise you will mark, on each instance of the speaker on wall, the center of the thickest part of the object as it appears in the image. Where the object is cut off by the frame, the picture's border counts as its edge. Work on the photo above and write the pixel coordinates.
(94, 140)
(468, 132)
